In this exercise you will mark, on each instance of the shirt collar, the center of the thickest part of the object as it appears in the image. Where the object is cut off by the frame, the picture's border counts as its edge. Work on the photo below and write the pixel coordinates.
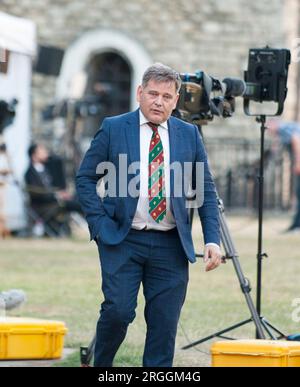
(143, 120)
(39, 167)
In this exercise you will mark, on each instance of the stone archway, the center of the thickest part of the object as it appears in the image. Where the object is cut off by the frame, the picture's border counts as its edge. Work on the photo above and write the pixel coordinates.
(94, 42)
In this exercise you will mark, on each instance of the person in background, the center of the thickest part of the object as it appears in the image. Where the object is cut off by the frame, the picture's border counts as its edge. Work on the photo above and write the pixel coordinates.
(288, 134)
(47, 200)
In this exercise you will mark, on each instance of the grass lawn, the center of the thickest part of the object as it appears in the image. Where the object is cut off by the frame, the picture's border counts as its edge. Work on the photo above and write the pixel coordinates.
(62, 281)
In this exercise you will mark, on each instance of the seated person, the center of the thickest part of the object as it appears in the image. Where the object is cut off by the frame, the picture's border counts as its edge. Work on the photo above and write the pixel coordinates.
(50, 202)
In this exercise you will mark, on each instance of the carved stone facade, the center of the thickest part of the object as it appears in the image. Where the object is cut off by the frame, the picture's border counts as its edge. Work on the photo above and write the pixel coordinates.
(212, 35)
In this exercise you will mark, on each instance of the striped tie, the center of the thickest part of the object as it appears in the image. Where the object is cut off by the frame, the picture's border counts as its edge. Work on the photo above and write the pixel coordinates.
(156, 184)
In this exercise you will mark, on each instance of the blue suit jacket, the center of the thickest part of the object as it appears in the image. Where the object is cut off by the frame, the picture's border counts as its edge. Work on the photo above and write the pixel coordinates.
(111, 219)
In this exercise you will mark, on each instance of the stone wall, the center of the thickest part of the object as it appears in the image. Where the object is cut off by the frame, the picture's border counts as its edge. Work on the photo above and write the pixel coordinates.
(212, 35)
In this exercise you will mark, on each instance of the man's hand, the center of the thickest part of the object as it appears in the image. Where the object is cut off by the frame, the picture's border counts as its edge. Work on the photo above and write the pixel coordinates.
(212, 257)
(63, 195)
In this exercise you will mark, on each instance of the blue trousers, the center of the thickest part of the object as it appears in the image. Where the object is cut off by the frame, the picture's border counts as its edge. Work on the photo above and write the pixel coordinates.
(157, 260)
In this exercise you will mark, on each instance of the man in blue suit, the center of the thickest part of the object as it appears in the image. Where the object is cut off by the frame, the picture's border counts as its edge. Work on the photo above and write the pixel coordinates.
(142, 230)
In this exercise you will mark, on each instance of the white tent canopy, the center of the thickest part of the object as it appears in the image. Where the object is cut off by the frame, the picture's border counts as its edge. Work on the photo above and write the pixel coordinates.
(17, 34)
(19, 37)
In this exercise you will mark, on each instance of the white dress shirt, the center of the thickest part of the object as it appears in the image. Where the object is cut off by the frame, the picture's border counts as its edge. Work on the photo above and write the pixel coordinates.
(39, 167)
(142, 218)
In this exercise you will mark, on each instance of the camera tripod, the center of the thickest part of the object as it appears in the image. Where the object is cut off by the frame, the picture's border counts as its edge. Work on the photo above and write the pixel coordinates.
(261, 324)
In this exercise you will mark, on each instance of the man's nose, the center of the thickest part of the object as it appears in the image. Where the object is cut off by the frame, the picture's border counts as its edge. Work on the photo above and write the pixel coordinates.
(158, 100)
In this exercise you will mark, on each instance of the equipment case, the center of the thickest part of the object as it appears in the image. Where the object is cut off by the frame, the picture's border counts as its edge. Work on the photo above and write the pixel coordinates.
(256, 353)
(28, 338)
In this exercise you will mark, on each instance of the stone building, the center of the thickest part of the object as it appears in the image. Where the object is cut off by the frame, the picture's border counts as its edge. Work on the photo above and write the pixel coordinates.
(112, 41)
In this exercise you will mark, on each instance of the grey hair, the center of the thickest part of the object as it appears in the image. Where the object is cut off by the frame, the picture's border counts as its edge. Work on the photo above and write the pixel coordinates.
(161, 73)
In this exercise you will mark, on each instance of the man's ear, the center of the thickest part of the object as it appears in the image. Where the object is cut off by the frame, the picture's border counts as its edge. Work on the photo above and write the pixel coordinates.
(138, 93)
(175, 103)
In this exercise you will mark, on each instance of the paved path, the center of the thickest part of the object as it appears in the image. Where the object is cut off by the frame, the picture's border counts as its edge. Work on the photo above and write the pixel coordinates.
(36, 363)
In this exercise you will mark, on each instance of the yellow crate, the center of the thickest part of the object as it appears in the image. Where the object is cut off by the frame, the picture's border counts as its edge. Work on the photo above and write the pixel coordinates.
(28, 338)
(256, 353)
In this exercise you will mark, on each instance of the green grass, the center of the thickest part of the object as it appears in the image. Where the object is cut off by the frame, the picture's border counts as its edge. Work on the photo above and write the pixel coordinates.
(62, 281)
(70, 361)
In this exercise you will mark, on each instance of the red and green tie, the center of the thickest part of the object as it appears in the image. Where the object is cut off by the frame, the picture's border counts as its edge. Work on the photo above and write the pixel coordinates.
(156, 184)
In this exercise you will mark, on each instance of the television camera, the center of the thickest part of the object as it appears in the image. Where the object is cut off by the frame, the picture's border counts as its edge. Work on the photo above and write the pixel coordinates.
(202, 97)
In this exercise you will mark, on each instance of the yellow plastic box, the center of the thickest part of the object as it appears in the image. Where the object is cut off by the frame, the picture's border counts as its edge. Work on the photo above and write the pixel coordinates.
(27, 338)
(256, 353)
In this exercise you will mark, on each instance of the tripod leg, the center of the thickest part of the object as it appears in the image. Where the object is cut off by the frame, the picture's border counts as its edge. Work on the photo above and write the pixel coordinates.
(267, 325)
(217, 334)
(244, 282)
(86, 353)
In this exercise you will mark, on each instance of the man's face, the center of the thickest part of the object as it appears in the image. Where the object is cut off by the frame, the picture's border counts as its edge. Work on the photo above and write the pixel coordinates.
(157, 100)
(41, 154)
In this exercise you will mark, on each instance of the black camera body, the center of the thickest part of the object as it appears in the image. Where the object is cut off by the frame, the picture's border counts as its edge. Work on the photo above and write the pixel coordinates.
(82, 108)
(202, 97)
(7, 113)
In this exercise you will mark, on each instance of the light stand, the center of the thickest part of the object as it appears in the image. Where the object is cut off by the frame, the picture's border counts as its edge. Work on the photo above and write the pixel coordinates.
(260, 177)
(260, 255)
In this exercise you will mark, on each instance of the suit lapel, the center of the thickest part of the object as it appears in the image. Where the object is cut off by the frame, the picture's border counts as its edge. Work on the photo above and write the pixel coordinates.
(132, 131)
(174, 143)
